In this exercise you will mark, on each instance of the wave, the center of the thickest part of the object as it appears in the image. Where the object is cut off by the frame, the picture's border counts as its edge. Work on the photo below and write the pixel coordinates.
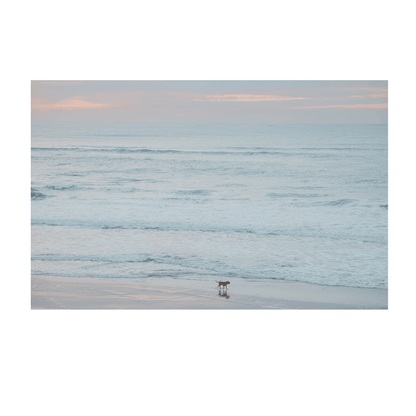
(184, 267)
(143, 150)
(314, 153)
(203, 192)
(298, 148)
(339, 202)
(293, 195)
(97, 259)
(37, 195)
(61, 188)
(264, 232)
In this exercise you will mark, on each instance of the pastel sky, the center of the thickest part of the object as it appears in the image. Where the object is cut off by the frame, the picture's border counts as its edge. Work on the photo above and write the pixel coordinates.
(211, 101)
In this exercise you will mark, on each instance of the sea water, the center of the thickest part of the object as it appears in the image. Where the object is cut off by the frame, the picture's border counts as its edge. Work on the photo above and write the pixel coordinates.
(211, 202)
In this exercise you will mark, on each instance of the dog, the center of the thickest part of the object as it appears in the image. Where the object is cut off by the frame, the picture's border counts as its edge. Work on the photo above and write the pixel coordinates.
(223, 284)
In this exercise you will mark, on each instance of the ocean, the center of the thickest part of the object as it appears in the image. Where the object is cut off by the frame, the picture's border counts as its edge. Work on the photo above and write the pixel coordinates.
(208, 202)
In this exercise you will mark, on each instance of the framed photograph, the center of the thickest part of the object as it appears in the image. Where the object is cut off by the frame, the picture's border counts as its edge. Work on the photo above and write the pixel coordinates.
(209, 195)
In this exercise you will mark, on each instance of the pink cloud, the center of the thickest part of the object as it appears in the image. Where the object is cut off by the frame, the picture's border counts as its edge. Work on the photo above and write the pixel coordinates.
(57, 83)
(247, 98)
(68, 104)
(383, 95)
(349, 106)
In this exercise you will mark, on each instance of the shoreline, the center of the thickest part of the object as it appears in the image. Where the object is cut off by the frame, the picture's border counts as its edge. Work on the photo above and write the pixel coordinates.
(54, 292)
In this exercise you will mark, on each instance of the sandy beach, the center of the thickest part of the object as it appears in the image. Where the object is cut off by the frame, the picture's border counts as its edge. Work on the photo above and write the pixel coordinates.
(51, 292)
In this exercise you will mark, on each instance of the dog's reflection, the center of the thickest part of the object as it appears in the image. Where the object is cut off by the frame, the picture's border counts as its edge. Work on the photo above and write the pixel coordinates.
(223, 293)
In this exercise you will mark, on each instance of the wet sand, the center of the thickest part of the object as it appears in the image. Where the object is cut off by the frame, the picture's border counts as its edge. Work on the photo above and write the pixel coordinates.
(50, 292)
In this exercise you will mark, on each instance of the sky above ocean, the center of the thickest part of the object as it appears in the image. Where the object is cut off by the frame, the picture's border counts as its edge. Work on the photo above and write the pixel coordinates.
(329, 102)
